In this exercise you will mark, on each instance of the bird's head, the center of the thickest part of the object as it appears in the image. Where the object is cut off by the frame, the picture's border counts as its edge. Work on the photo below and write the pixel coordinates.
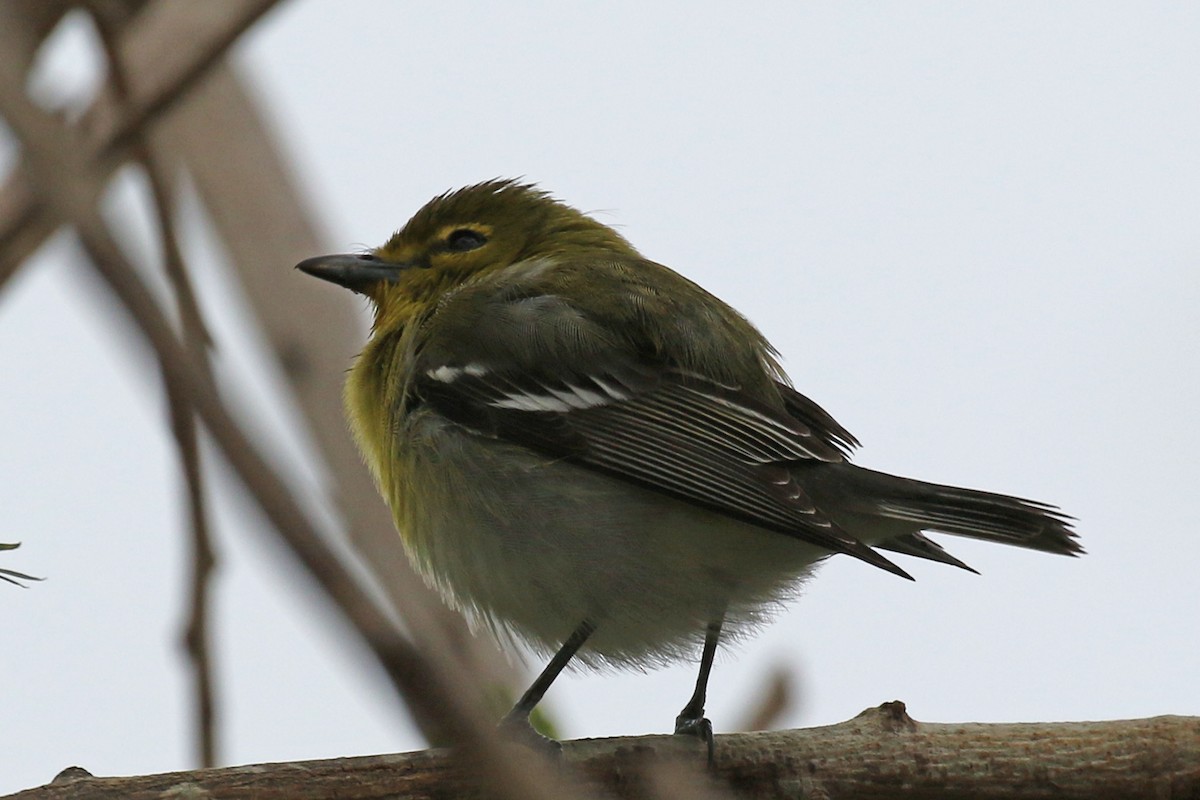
(464, 234)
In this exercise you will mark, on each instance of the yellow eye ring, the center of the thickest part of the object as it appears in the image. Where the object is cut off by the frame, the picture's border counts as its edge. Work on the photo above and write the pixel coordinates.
(461, 240)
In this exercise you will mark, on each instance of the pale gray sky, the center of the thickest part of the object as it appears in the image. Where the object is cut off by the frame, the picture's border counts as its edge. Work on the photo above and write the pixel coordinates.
(969, 228)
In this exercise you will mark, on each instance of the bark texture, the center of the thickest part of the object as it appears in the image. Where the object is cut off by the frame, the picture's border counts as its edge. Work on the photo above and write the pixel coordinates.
(881, 753)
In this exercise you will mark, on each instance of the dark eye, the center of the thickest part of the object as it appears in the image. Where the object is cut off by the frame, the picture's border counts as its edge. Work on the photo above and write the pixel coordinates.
(464, 239)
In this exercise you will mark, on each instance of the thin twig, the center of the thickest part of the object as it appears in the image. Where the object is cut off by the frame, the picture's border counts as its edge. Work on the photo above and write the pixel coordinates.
(183, 421)
(775, 700)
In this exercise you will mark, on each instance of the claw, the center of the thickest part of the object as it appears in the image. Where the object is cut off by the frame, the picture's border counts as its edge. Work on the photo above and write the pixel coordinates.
(700, 728)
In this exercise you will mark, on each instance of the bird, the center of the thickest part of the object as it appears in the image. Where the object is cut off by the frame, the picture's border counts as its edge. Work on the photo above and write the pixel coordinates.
(587, 452)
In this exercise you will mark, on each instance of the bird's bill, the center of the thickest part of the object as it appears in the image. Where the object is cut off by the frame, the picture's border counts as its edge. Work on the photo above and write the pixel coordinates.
(356, 272)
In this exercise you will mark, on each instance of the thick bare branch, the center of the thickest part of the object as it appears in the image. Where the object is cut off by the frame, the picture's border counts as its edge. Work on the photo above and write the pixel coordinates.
(880, 754)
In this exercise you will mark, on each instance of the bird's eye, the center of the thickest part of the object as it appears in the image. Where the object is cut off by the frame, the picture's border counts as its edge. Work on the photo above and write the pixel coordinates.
(464, 239)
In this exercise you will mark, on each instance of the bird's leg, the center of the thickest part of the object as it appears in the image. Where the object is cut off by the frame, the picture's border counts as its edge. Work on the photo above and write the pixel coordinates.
(518, 718)
(691, 720)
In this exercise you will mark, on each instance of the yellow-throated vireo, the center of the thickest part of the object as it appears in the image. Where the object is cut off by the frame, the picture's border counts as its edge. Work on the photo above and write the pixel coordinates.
(585, 449)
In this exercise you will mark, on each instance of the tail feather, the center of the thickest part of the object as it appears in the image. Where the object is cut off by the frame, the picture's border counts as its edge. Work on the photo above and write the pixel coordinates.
(914, 544)
(889, 512)
(981, 515)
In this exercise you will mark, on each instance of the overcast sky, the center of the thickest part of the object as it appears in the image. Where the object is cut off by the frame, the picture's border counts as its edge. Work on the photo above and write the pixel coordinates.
(971, 230)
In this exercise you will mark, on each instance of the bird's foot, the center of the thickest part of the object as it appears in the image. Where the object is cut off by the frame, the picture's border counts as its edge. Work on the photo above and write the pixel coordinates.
(517, 728)
(698, 727)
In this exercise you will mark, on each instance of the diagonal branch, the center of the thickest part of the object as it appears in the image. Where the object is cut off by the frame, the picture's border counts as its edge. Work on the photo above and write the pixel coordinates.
(223, 138)
(165, 47)
(68, 186)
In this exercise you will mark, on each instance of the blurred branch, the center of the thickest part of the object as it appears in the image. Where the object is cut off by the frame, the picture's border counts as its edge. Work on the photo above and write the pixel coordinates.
(881, 753)
(22, 228)
(775, 701)
(217, 131)
(168, 47)
(66, 183)
(110, 18)
(266, 227)
(37, 18)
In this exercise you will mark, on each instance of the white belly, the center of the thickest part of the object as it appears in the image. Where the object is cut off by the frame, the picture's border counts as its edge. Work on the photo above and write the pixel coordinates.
(534, 546)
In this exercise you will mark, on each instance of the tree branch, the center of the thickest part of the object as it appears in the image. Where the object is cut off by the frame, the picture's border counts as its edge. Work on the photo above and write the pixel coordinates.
(68, 184)
(110, 19)
(170, 46)
(214, 128)
(881, 753)
(223, 138)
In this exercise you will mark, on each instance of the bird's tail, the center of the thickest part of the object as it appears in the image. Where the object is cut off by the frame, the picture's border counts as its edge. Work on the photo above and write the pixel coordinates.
(890, 512)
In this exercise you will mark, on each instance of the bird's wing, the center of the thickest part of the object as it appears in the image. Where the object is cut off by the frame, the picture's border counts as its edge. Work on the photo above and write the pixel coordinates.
(816, 419)
(652, 424)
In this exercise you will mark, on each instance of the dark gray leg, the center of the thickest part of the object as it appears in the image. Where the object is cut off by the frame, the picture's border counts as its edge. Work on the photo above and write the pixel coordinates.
(691, 720)
(533, 695)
